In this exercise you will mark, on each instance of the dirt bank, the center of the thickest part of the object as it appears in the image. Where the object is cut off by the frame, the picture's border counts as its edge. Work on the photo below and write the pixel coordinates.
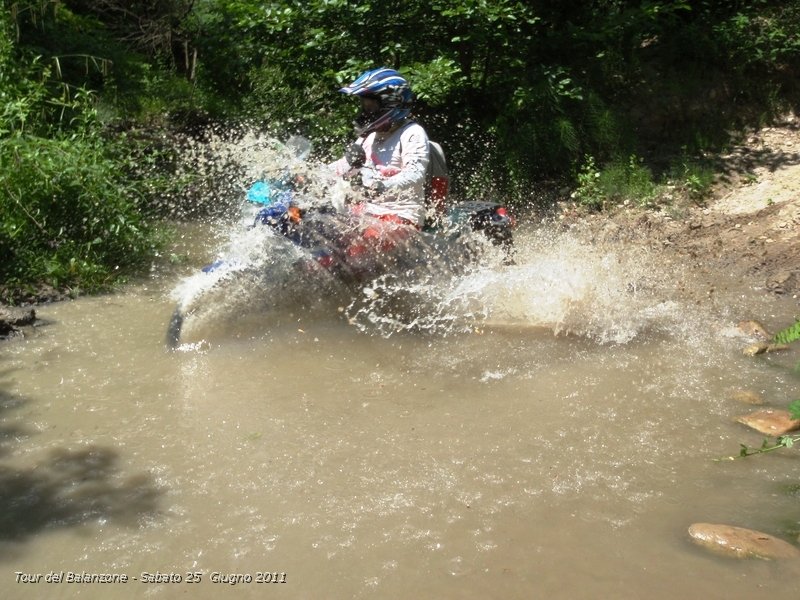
(749, 227)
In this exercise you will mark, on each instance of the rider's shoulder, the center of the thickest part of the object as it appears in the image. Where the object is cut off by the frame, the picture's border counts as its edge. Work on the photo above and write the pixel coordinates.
(413, 129)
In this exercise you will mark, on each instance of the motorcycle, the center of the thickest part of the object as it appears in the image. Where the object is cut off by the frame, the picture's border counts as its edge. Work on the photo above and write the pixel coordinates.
(334, 237)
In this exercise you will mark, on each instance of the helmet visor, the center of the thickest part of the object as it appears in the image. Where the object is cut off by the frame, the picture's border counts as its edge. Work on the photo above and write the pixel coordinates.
(370, 104)
(370, 111)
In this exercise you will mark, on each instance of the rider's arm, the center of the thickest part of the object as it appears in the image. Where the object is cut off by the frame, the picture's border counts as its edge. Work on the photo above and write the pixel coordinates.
(341, 166)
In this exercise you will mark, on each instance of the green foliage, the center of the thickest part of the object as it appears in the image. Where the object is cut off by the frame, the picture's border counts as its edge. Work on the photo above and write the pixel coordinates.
(781, 442)
(615, 183)
(517, 92)
(794, 409)
(631, 180)
(694, 179)
(69, 217)
(788, 335)
(757, 37)
(589, 192)
(436, 80)
(66, 218)
(548, 83)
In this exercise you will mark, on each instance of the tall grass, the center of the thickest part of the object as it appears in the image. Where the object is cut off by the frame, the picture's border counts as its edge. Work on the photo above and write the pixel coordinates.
(68, 214)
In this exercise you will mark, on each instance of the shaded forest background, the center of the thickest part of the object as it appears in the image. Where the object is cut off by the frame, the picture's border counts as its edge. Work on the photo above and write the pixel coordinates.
(607, 98)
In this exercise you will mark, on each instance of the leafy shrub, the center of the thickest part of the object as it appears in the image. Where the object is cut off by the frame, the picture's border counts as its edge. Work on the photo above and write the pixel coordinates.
(631, 180)
(68, 216)
(693, 179)
(589, 191)
(615, 183)
(756, 37)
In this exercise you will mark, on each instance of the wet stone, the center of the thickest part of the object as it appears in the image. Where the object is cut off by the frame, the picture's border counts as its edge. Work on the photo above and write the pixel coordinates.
(772, 422)
(11, 319)
(738, 542)
(753, 329)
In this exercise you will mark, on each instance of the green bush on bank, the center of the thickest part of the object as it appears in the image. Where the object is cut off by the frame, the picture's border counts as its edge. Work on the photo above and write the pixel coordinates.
(67, 220)
(631, 181)
(615, 183)
(68, 214)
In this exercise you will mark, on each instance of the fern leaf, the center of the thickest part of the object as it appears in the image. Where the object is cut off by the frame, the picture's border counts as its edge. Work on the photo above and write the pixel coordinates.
(788, 335)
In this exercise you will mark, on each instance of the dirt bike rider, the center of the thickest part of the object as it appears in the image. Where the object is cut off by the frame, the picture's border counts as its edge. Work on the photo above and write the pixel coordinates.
(395, 149)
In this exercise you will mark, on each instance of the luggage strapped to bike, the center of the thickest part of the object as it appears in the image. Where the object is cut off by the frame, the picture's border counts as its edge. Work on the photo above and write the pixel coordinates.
(437, 182)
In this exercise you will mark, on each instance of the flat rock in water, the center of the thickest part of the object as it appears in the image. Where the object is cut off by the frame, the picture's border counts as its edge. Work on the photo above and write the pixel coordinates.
(739, 542)
(772, 422)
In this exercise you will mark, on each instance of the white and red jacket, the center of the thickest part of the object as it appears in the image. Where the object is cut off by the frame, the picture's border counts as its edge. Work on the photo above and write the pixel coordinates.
(399, 159)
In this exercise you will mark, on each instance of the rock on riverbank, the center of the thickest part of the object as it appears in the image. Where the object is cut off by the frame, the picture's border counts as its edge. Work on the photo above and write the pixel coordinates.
(13, 320)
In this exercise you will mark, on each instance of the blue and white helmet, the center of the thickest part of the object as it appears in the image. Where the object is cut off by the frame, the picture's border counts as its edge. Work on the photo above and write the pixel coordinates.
(392, 91)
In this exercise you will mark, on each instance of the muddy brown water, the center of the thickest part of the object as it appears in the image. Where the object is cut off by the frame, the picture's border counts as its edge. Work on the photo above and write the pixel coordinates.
(560, 450)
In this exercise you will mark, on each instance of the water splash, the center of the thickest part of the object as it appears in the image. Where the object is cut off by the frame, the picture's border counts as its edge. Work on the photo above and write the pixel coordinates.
(559, 283)
(563, 284)
(255, 270)
(261, 280)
